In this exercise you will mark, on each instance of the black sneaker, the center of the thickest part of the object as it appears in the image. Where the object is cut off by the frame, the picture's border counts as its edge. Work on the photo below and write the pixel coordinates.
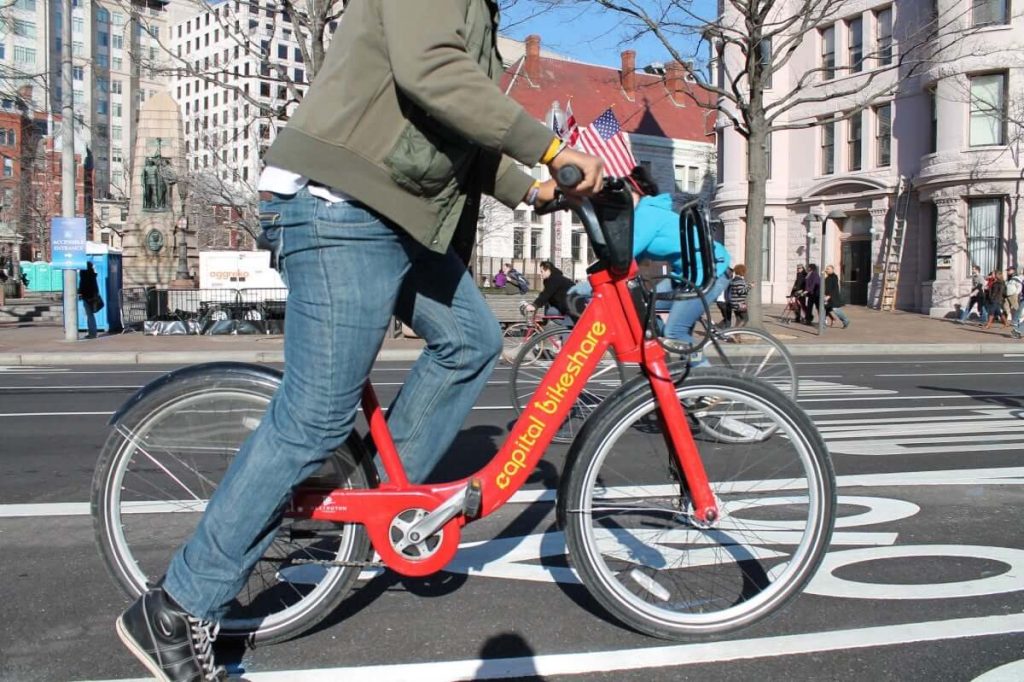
(174, 646)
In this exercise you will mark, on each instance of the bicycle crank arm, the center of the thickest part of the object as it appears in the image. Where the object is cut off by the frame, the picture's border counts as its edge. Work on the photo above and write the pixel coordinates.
(435, 520)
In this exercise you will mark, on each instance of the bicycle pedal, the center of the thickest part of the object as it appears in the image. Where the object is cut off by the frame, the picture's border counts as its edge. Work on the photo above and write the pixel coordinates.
(473, 500)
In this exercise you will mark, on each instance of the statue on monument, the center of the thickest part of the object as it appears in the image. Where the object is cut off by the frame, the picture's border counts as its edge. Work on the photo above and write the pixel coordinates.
(155, 173)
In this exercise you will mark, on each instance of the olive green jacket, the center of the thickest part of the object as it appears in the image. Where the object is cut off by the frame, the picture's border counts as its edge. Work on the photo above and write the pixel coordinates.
(406, 116)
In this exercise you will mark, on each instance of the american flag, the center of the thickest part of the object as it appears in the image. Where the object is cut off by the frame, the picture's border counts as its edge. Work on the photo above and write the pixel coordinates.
(572, 131)
(604, 138)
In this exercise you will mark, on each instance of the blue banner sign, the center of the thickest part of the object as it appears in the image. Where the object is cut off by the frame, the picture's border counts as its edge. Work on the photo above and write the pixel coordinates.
(67, 236)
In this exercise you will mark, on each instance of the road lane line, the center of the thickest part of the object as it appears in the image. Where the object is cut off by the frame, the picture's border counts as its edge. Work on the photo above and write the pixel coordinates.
(645, 658)
(971, 477)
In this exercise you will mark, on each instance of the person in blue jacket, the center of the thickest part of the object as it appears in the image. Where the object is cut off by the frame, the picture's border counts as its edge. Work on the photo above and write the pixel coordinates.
(656, 236)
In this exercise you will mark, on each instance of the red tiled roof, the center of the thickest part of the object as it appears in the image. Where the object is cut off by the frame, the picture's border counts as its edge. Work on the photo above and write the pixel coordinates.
(593, 89)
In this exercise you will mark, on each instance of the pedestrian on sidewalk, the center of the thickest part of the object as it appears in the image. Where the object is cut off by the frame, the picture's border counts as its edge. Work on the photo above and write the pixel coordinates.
(812, 285)
(1014, 286)
(976, 297)
(370, 195)
(89, 292)
(798, 292)
(834, 297)
(995, 297)
(739, 289)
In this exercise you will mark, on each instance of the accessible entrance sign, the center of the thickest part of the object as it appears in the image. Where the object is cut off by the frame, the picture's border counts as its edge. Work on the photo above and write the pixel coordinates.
(67, 237)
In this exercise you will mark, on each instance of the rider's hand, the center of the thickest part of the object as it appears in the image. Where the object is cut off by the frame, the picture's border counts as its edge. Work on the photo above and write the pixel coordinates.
(592, 167)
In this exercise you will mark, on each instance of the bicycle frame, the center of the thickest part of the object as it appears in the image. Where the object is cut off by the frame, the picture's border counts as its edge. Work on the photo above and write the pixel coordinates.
(611, 319)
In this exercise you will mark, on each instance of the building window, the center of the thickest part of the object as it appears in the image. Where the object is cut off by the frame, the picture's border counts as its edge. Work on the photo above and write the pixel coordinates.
(576, 244)
(519, 216)
(282, 51)
(828, 52)
(984, 234)
(933, 104)
(78, 73)
(989, 12)
(692, 179)
(25, 56)
(883, 36)
(767, 239)
(828, 147)
(26, 29)
(8, 167)
(535, 239)
(933, 242)
(680, 177)
(27, 5)
(298, 55)
(988, 109)
(518, 237)
(104, 38)
(853, 141)
(768, 155)
(765, 49)
(77, 24)
(855, 30)
(883, 135)
(117, 41)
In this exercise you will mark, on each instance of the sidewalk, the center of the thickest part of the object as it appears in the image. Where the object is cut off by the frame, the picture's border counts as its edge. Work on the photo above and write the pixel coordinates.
(870, 332)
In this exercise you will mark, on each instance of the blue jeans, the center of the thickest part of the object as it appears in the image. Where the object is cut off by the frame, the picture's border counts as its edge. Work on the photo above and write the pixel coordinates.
(684, 314)
(347, 271)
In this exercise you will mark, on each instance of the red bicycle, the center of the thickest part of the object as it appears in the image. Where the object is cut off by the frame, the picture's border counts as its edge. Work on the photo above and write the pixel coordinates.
(677, 533)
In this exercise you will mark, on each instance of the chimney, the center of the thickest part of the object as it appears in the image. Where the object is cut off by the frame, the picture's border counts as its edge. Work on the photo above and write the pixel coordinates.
(674, 77)
(533, 58)
(628, 73)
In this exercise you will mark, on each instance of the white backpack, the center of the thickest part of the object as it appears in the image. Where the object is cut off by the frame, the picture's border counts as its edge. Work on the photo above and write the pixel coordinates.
(1013, 286)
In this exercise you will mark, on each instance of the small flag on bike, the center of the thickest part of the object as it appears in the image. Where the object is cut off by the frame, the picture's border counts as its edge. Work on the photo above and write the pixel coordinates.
(604, 138)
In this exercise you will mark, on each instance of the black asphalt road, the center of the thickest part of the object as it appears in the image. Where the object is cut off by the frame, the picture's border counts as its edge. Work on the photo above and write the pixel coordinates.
(925, 579)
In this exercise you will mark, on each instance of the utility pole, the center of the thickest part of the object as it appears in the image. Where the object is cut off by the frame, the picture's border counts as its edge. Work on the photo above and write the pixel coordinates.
(67, 168)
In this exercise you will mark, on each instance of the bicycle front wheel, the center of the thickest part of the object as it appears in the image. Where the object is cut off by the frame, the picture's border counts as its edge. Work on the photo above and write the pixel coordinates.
(628, 518)
(513, 338)
(532, 363)
(165, 458)
(755, 353)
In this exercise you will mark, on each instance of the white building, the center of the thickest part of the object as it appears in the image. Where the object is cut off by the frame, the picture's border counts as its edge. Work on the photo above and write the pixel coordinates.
(244, 71)
(946, 127)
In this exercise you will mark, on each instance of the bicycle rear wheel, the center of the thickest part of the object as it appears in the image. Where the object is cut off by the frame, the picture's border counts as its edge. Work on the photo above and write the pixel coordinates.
(755, 353)
(532, 363)
(628, 518)
(164, 459)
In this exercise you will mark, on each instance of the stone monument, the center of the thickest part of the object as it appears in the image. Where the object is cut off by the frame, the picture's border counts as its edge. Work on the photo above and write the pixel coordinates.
(158, 247)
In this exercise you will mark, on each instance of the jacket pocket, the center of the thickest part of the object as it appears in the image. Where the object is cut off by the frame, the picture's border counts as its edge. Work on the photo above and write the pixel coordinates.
(425, 163)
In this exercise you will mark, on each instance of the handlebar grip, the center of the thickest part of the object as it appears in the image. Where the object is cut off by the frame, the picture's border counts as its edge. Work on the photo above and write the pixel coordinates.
(569, 176)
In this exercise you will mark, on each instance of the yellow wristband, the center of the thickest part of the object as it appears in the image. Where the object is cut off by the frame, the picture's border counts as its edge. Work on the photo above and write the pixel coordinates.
(552, 151)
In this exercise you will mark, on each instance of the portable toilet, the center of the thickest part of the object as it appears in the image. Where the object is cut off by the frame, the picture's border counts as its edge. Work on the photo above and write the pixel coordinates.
(107, 265)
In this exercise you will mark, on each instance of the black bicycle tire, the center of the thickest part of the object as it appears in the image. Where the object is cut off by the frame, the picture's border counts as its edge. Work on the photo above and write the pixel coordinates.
(588, 447)
(351, 457)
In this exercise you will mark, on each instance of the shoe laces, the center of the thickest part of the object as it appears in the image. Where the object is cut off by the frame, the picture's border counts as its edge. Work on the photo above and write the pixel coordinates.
(203, 635)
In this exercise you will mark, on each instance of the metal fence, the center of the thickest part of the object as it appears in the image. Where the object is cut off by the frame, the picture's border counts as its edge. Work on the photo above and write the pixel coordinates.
(148, 304)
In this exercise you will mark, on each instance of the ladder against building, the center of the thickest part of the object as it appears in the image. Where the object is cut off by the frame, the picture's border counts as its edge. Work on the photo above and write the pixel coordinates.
(894, 248)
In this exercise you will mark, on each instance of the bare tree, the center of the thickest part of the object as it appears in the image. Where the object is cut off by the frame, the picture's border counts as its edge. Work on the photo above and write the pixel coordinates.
(735, 53)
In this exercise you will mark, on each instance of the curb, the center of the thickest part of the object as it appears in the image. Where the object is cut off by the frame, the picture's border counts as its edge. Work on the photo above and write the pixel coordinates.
(411, 354)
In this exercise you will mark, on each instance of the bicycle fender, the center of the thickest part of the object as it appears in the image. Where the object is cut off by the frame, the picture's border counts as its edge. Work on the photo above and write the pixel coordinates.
(209, 370)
